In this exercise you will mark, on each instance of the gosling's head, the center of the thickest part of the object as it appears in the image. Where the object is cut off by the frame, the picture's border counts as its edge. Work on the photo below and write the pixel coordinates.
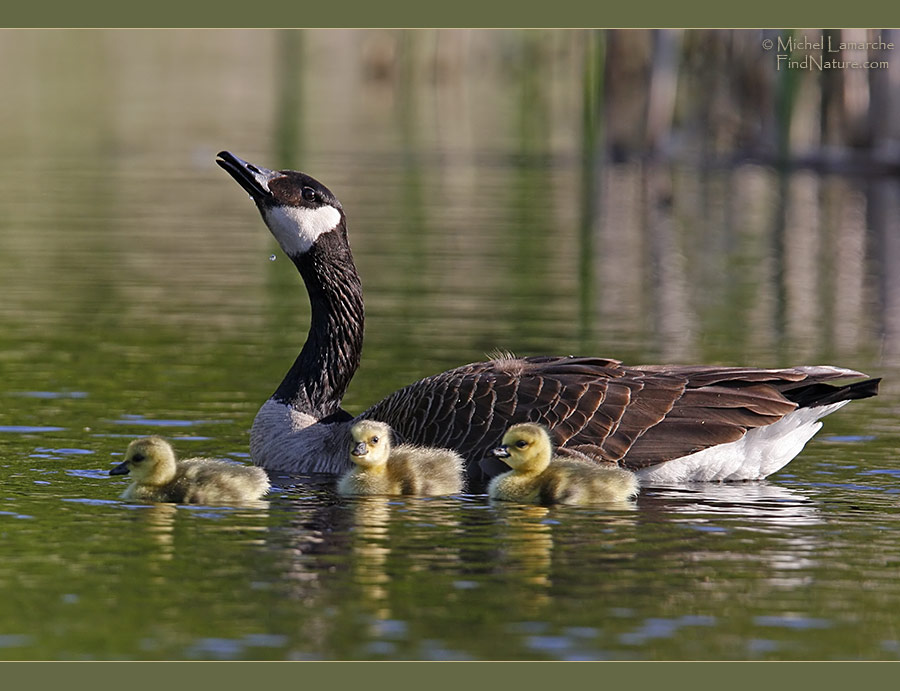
(526, 448)
(150, 460)
(371, 443)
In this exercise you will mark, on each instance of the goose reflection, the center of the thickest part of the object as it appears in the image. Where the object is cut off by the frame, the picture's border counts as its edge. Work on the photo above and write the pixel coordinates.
(770, 506)
(757, 507)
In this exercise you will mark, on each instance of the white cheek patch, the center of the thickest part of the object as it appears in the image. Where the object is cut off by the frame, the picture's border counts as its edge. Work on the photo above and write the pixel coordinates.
(297, 228)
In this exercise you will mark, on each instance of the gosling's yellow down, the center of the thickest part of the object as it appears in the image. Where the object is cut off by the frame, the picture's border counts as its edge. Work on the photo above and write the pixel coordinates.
(159, 477)
(539, 477)
(380, 468)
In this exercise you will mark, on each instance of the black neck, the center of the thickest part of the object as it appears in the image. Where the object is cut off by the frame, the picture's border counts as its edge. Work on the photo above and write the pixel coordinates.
(319, 377)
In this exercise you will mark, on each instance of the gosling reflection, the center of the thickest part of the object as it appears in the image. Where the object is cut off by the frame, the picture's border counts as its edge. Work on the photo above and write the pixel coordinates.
(159, 521)
(370, 546)
(402, 543)
(527, 551)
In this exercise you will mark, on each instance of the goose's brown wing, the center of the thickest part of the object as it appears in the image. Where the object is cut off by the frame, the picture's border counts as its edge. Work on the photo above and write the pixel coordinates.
(469, 408)
(634, 417)
(720, 404)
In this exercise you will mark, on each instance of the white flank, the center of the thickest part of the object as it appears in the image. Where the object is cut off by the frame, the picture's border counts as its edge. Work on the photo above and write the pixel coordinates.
(756, 455)
(297, 228)
(286, 440)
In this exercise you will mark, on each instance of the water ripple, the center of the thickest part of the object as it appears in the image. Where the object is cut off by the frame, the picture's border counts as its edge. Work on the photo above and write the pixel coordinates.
(792, 621)
(151, 422)
(88, 473)
(92, 502)
(50, 394)
(65, 452)
(663, 628)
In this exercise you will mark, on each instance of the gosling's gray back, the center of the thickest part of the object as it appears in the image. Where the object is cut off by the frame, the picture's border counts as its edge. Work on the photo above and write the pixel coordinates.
(423, 470)
(571, 481)
(209, 481)
(205, 481)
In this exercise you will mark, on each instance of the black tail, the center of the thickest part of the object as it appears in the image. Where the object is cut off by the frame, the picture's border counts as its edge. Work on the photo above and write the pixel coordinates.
(817, 394)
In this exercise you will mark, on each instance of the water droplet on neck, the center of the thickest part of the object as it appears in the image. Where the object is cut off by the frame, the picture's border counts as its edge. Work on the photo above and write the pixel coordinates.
(271, 257)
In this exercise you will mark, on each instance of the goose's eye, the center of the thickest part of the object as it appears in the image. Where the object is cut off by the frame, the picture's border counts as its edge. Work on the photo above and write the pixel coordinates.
(521, 443)
(374, 440)
(137, 458)
(309, 194)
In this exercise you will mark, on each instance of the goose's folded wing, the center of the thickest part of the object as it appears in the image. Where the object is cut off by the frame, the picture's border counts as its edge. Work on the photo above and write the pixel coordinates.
(633, 417)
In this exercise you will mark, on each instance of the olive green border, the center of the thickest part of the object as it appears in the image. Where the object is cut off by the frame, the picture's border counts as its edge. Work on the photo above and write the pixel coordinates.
(438, 676)
(455, 13)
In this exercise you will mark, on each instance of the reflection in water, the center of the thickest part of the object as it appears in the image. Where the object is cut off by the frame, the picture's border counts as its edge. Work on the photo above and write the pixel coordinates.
(754, 507)
(766, 504)
(159, 522)
(883, 210)
(668, 268)
(526, 544)
(526, 549)
(407, 540)
(369, 544)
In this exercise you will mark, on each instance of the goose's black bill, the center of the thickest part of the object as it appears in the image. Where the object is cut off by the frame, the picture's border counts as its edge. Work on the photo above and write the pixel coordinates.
(254, 179)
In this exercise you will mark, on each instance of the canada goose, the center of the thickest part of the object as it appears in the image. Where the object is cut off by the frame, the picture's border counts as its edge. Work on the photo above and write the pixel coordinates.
(668, 423)
(159, 477)
(381, 468)
(539, 477)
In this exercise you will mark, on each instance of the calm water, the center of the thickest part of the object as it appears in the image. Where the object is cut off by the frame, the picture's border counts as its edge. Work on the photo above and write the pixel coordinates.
(138, 297)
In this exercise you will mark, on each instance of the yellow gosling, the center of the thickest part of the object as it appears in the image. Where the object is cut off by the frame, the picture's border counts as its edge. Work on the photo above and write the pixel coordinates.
(159, 477)
(380, 468)
(539, 477)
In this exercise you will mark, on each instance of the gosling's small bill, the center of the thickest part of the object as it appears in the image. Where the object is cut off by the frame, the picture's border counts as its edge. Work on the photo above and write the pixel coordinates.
(540, 477)
(382, 468)
(158, 476)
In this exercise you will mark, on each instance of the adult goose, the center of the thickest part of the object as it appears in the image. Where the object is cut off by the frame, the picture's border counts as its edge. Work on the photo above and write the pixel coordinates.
(667, 423)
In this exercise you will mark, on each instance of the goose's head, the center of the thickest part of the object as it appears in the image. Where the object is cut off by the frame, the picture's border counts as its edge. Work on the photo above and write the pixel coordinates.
(526, 448)
(297, 208)
(150, 461)
(370, 443)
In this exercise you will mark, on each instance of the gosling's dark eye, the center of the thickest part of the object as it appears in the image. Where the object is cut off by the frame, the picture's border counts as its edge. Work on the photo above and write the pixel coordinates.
(374, 440)
(137, 458)
(521, 443)
(309, 194)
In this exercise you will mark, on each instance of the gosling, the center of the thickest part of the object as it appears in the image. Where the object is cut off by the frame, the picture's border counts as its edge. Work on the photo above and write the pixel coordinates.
(539, 477)
(159, 477)
(380, 468)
